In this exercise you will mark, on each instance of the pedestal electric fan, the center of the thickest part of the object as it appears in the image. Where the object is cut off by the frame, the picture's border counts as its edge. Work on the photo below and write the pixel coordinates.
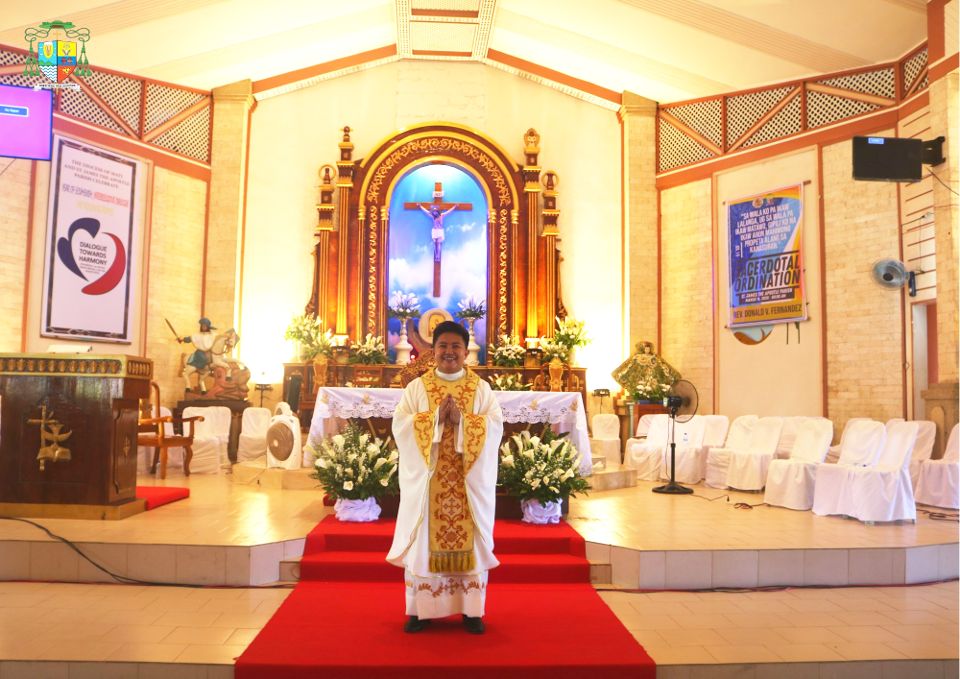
(681, 401)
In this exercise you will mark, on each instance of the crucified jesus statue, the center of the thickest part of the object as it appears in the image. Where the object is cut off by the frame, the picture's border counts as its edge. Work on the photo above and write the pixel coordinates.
(436, 211)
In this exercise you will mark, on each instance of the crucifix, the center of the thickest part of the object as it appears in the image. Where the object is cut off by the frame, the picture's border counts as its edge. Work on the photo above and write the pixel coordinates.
(436, 211)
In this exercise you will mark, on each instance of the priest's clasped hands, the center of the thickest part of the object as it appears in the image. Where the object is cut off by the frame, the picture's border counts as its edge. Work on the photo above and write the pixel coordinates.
(449, 413)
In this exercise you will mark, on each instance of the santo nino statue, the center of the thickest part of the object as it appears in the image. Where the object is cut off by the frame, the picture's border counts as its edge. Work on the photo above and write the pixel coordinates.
(645, 375)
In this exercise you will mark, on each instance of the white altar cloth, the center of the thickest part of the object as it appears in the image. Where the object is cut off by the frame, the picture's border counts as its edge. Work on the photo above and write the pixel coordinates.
(563, 410)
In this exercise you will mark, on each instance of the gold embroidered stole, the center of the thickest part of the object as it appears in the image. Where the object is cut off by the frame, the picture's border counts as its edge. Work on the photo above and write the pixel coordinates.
(450, 520)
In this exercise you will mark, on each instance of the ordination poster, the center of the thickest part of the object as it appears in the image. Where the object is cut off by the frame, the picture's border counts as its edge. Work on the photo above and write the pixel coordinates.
(89, 248)
(766, 259)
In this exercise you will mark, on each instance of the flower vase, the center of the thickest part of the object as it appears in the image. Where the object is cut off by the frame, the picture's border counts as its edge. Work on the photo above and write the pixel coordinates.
(360, 511)
(473, 349)
(403, 347)
(540, 513)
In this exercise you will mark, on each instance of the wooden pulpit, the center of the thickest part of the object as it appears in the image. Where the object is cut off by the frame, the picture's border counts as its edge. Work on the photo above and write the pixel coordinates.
(68, 433)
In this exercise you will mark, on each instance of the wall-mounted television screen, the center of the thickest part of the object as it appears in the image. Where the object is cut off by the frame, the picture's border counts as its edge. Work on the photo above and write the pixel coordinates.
(26, 122)
(888, 159)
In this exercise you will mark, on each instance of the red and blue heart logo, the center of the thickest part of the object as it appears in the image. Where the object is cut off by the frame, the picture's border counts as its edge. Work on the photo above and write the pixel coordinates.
(102, 261)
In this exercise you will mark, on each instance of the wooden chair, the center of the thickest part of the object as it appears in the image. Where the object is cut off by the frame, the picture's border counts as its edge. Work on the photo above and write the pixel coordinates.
(152, 434)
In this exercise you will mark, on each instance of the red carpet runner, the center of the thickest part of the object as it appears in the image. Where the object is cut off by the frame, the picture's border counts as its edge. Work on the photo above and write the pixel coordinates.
(157, 496)
(344, 619)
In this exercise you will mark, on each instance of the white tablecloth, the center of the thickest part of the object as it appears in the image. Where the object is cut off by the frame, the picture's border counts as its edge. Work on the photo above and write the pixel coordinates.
(563, 410)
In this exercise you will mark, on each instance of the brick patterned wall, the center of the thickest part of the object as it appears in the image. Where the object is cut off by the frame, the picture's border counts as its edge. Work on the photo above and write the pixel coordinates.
(687, 307)
(864, 325)
(176, 272)
(14, 210)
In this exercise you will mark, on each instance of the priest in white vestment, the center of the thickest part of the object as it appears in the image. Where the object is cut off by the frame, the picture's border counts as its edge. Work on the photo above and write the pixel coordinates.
(447, 427)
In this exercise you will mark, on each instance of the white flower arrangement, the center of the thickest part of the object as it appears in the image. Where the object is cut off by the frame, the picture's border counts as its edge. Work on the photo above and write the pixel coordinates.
(354, 465)
(306, 329)
(471, 307)
(508, 382)
(404, 305)
(370, 351)
(650, 389)
(507, 353)
(544, 468)
(552, 349)
(570, 334)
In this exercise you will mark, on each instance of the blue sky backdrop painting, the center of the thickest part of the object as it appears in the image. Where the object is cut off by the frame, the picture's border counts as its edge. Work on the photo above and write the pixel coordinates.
(463, 270)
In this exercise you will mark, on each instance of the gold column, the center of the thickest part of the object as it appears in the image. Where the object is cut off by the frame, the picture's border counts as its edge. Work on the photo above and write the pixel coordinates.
(550, 232)
(344, 185)
(531, 188)
(319, 298)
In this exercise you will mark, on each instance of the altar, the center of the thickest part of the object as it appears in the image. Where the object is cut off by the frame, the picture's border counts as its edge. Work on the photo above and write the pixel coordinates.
(563, 411)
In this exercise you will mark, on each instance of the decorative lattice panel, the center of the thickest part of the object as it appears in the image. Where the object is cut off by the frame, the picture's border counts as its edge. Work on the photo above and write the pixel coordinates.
(824, 109)
(744, 110)
(165, 102)
(913, 68)
(190, 138)
(702, 116)
(121, 94)
(11, 59)
(677, 149)
(788, 121)
(881, 83)
(77, 104)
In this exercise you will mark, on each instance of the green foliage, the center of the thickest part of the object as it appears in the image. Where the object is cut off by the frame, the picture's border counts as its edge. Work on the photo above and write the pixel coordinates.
(354, 465)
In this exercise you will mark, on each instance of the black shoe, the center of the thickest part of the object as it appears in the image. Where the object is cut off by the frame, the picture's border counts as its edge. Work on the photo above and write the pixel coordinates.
(415, 624)
(474, 625)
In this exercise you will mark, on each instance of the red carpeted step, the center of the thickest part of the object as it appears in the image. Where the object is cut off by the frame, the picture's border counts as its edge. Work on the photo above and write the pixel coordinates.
(344, 566)
(353, 631)
(157, 496)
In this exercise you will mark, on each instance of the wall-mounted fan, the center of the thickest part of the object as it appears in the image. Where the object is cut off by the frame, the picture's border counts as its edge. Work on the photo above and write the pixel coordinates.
(681, 401)
(891, 273)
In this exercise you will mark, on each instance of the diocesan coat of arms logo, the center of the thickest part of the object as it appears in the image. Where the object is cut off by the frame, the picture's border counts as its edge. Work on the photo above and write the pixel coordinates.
(56, 55)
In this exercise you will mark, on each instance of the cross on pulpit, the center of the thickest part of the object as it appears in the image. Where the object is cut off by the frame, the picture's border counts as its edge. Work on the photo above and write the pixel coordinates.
(436, 211)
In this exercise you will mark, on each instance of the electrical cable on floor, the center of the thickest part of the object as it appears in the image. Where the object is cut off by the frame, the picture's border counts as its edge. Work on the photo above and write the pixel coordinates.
(736, 505)
(123, 579)
(940, 516)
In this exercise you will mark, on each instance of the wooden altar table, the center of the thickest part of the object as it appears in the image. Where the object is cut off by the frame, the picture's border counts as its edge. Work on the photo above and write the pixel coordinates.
(563, 410)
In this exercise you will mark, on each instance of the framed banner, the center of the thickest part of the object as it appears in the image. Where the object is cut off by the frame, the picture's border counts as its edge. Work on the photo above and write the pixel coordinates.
(766, 258)
(90, 254)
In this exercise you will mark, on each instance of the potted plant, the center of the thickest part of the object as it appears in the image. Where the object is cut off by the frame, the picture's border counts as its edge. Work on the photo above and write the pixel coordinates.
(508, 382)
(541, 471)
(368, 352)
(569, 335)
(507, 353)
(313, 342)
(403, 306)
(471, 310)
(355, 468)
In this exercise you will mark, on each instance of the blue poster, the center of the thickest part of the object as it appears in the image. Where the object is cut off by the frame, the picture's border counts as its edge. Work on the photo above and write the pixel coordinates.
(766, 263)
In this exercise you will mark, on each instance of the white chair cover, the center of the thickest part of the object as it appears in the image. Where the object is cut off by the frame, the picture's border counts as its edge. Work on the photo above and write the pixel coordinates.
(748, 466)
(145, 453)
(606, 437)
(833, 455)
(296, 457)
(690, 453)
(643, 425)
(926, 437)
(861, 444)
(646, 455)
(939, 483)
(788, 435)
(692, 462)
(790, 482)
(210, 438)
(718, 458)
(253, 434)
(883, 492)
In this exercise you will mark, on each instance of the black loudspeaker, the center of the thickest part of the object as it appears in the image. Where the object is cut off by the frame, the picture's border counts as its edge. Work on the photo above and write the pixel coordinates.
(292, 393)
(888, 159)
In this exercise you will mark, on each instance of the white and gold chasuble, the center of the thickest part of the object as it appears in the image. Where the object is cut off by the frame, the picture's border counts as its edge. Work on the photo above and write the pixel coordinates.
(444, 534)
